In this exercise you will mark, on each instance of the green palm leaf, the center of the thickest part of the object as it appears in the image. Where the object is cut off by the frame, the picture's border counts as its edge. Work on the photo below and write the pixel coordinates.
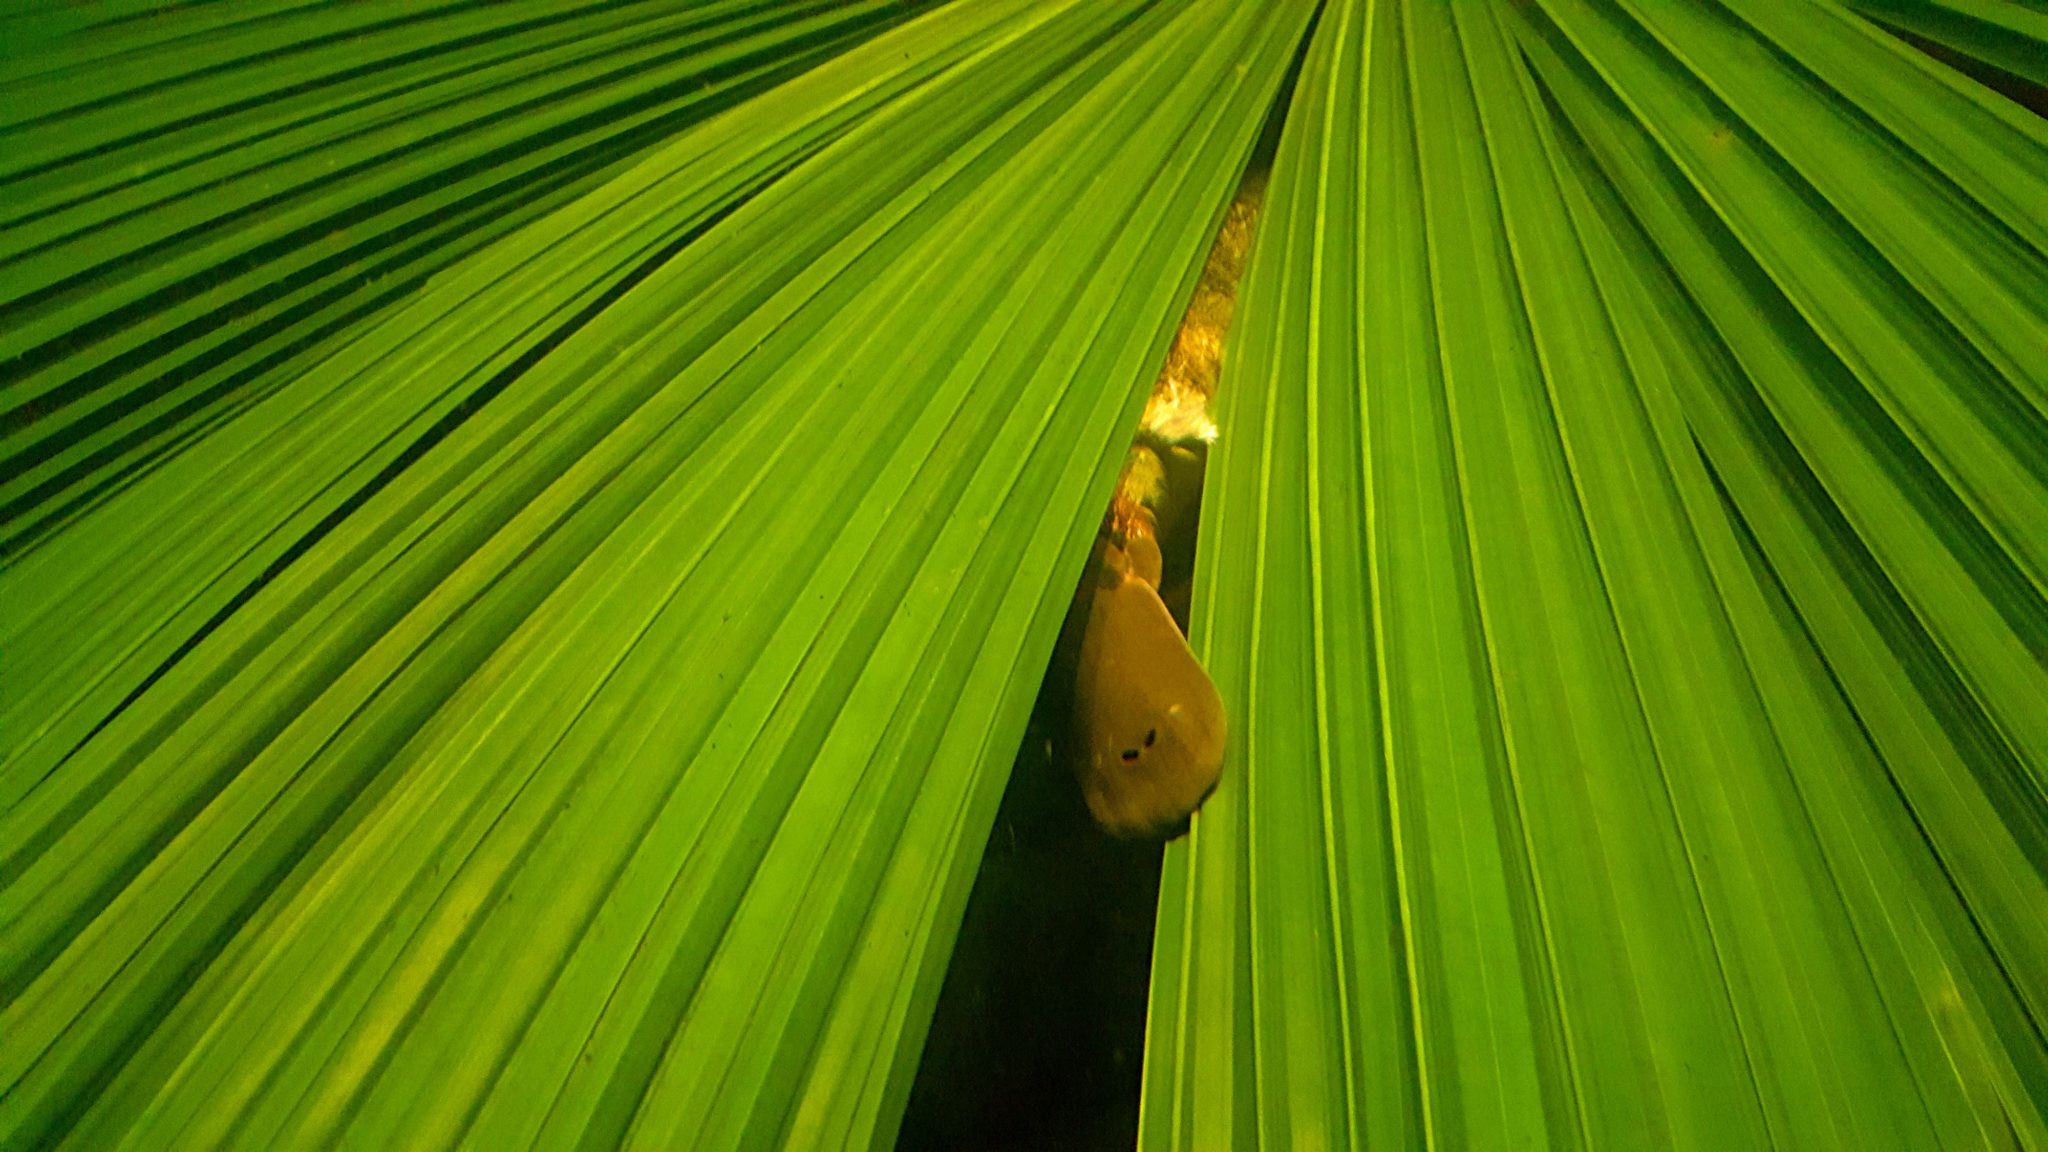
(533, 532)
(1625, 561)
(415, 765)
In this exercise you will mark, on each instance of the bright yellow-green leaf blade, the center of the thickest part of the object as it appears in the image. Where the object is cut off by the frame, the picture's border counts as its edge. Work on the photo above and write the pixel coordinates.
(569, 712)
(1623, 563)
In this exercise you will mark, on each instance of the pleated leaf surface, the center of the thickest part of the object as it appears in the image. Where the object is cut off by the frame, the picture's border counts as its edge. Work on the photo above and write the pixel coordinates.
(1623, 565)
(531, 532)
(568, 710)
(199, 204)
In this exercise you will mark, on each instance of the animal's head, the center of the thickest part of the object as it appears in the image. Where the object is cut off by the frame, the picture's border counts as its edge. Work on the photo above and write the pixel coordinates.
(1148, 722)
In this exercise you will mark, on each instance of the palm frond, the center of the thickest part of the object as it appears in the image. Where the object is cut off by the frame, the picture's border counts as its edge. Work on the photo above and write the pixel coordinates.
(532, 532)
(571, 710)
(1624, 557)
(200, 206)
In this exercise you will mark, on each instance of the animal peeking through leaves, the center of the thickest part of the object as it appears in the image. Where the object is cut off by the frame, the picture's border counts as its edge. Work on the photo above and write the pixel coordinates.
(1145, 731)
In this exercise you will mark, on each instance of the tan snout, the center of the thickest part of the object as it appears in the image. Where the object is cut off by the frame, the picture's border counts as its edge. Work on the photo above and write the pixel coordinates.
(1149, 722)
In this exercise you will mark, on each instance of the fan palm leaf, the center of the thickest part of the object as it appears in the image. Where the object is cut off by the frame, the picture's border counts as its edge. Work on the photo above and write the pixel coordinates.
(533, 533)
